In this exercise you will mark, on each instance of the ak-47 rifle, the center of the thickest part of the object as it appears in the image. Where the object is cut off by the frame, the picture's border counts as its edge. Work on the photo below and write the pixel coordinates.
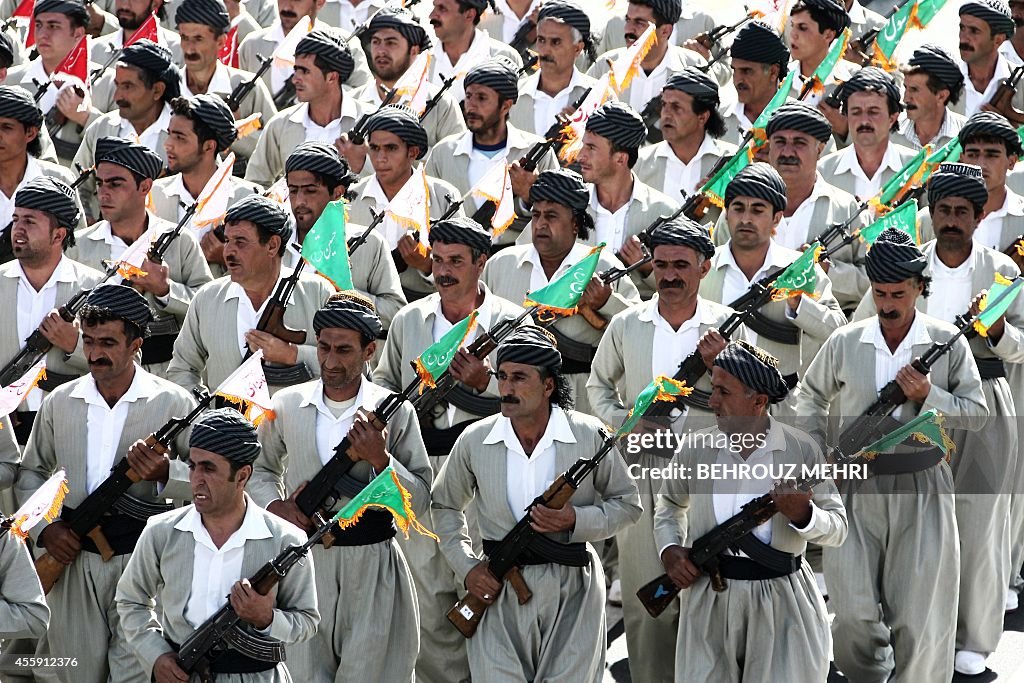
(285, 97)
(1002, 101)
(503, 562)
(432, 103)
(861, 47)
(710, 38)
(356, 242)
(553, 136)
(521, 40)
(610, 277)
(242, 90)
(272, 319)
(111, 495)
(357, 135)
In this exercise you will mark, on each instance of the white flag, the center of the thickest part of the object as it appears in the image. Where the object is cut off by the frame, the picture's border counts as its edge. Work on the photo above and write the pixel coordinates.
(413, 86)
(496, 186)
(247, 386)
(12, 395)
(45, 503)
(212, 203)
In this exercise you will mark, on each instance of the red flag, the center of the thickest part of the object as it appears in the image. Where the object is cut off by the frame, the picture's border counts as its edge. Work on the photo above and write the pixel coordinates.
(228, 54)
(24, 10)
(147, 31)
(76, 64)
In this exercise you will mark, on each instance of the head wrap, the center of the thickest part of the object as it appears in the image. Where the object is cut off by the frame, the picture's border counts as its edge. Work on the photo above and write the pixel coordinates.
(934, 60)
(872, 79)
(989, 124)
(17, 103)
(800, 117)
(531, 345)
(72, 8)
(44, 193)
(761, 181)
(620, 123)
(683, 232)
(225, 432)
(759, 42)
(571, 14)
(477, 4)
(210, 13)
(6, 50)
(403, 122)
(462, 230)
(894, 258)
(329, 45)
(562, 186)
(958, 180)
(995, 13)
(349, 311)
(670, 10)
(262, 211)
(212, 112)
(498, 74)
(695, 83)
(322, 159)
(755, 367)
(829, 14)
(133, 156)
(401, 20)
(122, 302)
(156, 60)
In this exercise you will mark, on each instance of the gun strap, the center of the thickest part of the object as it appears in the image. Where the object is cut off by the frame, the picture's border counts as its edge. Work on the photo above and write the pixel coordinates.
(543, 550)
(990, 368)
(464, 399)
(783, 332)
(439, 442)
(287, 375)
(767, 556)
(577, 357)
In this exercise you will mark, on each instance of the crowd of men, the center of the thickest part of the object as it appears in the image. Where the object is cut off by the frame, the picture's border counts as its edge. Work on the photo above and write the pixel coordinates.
(918, 561)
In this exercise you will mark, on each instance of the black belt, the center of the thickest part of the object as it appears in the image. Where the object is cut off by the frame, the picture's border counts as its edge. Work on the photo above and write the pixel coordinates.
(414, 295)
(375, 526)
(543, 550)
(990, 368)
(22, 423)
(475, 404)
(906, 462)
(234, 662)
(439, 442)
(121, 531)
(54, 380)
(791, 380)
(577, 357)
(745, 569)
(158, 348)
(287, 375)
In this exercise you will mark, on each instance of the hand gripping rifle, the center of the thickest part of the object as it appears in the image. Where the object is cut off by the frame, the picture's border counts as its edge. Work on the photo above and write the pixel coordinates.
(272, 319)
(1002, 101)
(609, 277)
(111, 495)
(242, 90)
(161, 244)
(553, 136)
(503, 562)
(357, 135)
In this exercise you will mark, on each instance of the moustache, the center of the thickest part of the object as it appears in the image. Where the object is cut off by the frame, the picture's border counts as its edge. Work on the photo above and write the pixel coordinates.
(787, 161)
(910, 107)
(950, 230)
(288, 14)
(435, 23)
(445, 281)
(99, 362)
(964, 47)
(1018, 22)
(865, 129)
(547, 60)
(670, 284)
(889, 315)
(509, 399)
(231, 262)
(122, 103)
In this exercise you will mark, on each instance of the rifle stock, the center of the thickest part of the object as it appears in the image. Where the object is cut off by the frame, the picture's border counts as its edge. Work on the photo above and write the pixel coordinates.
(1002, 101)
(272, 318)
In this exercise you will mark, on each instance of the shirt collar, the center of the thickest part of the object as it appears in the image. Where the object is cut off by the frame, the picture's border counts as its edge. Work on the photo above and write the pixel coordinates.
(1013, 205)
(64, 272)
(177, 188)
(848, 162)
(557, 430)
(596, 205)
(254, 527)
(934, 264)
(917, 334)
(219, 83)
(947, 129)
(479, 51)
(776, 256)
(531, 86)
(162, 123)
(301, 113)
(314, 396)
(707, 146)
(649, 313)
(1002, 70)
(484, 310)
(578, 251)
(235, 290)
(142, 386)
(104, 233)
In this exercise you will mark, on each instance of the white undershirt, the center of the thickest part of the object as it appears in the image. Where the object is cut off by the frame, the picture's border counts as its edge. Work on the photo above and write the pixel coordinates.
(247, 317)
(951, 288)
(610, 226)
(331, 428)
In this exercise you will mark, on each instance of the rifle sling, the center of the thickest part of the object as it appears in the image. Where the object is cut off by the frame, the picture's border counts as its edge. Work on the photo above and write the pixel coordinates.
(462, 398)
(543, 550)
(158, 348)
(990, 368)
(783, 332)
(439, 442)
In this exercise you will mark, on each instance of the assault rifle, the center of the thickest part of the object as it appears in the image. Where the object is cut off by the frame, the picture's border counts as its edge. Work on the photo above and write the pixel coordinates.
(242, 90)
(529, 161)
(521, 40)
(446, 85)
(272, 318)
(357, 135)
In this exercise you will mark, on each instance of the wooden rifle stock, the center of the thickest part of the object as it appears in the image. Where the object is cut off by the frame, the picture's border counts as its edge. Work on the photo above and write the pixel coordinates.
(1002, 101)
(272, 319)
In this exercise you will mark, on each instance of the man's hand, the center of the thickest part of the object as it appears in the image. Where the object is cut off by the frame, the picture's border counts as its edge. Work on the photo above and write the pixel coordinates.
(596, 294)
(353, 153)
(166, 669)
(366, 443)
(522, 181)
(60, 332)
(151, 464)
(548, 520)
(710, 345)
(68, 102)
(915, 386)
(409, 249)
(470, 370)
(155, 281)
(698, 47)
(995, 332)
(483, 584)
(213, 248)
(840, 126)
(793, 503)
(631, 252)
(274, 350)
(252, 607)
(678, 566)
(61, 542)
(289, 510)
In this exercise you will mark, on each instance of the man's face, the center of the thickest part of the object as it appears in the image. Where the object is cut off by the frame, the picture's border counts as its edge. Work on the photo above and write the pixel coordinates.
(309, 80)
(869, 117)
(290, 11)
(108, 350)
(448, 22)
(954, 223)
(977, 44)
(678, 271)
(1017, 12)
(215, 491)
(752, 222)
(554, 229)
(994, 161)
(806, 41)
(246, 259)
(523, 392)
(35, 236)
(132, 13)
(392, 159)
(199, 46)
(918, 98)
(754, 81)
(794, 154)
(182, 145)
(555, 47)
(15, 137)
(733, 402)
(342, 356)
(456, 274)
(55, 37)
(484, 109)
(117, 192)
(638, 18)
(308, 197)
(678, 122)
(133, 99)
(895, 302)
(596, 159)
(390, 54)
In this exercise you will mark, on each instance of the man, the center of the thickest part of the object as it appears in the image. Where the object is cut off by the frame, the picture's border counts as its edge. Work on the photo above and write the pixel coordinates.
(813, 26)
(349, 14)
(463, 160)
(146, 80)
(797, 133)
(203, 25)
(882, 561)
(932, 83)
(560, 228)
(984, 26)
(189, 559)
(310, 420)
(692, 21)
(508, 16)
(131, 14)
(85, 427)
(21, 595)
(393, 40)
(461, 45)
(39, 280)
(646, 340)
(220, 326)
(323, 62)
(1013, 48)
(871, 102)
(10, 51)
(745, 382)
(563, 34)
(760, 60)
(502, 463)
(124, 175)
(317, 175)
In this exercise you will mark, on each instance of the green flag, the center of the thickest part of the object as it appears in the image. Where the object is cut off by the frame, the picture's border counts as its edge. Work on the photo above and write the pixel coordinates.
(801, 277)
(911, 173)
(948, 153)
(561, 296)
(385, 492)
(662, 388)
(926, 428)
(1001, 294)
(889, 36)
(1020, 134)
(326, 248)
(828, 65)
(714, 188)
(780, 96)
(904, 218)
(925, 11)
(439, 355)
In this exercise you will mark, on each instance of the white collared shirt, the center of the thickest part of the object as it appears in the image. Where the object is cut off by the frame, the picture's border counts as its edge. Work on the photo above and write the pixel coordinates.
(974, 99)
(479, 51)
(547, 107)
(947, 130)
(442, 325)
(793, 231)
(671, 347)
(537, 277)
(248, 317)
(863, 186)
(888, 363)
(1008, 51)
(116, 244)
(527, 476)
(990, 229)
(351, 16)
(32, 171)
(680, 175)
(389, 229)
(176, 188)
(220, 83)
(735, 284)
(151, 136)
(610, 226)
(332, 131)
(215, 570)
(739, 111)
(36, 73)
(331, 429)
(509, 21)
(105, 423)
(479, 162)
(951, 287)
(645, 87)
